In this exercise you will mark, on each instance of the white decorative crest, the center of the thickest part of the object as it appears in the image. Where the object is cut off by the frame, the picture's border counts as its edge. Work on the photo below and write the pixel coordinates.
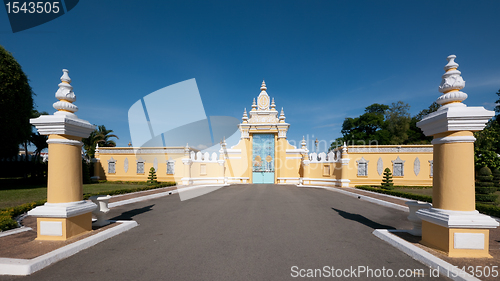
(263, 99)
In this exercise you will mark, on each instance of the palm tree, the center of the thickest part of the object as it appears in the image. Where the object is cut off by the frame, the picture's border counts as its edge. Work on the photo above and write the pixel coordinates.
(106, 134)
(99, 136)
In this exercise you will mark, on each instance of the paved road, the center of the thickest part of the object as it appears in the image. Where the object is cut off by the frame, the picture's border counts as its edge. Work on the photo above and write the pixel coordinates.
(242, 232)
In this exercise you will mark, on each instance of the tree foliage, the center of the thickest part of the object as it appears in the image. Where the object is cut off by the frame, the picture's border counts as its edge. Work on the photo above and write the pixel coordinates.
(487, 144)
(381, 124)
(16, 104)
(100, 136)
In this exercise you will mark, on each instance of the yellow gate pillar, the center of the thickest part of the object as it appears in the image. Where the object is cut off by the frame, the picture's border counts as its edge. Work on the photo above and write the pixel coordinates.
(65, 214)
(452, 224)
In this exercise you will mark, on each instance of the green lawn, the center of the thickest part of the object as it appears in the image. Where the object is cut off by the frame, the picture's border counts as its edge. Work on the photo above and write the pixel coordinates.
(12, 195)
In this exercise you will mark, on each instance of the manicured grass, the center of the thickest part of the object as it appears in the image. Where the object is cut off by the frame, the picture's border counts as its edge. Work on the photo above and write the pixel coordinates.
(28, 193)
(427, 191)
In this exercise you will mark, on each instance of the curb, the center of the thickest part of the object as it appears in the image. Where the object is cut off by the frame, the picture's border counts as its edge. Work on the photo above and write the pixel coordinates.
(365, 198)
(29, 266)
(14, 231)
(445, 268)
(157, 195)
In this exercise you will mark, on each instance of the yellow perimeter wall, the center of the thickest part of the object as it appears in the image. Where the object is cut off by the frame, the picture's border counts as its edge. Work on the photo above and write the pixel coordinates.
(293, 165)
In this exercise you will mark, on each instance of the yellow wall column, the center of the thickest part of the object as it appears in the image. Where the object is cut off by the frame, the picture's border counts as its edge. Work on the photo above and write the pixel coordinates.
(452, 224)
(65, 159)
(344, 172)
(453, 179)
(186, 160)
(65, 214)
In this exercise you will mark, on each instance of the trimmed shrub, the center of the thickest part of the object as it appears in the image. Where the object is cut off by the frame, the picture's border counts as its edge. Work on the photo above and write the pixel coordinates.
(485, 187)
(152, 176)
(387, 181)
(496, 178)
(486, 209)
(424, 198)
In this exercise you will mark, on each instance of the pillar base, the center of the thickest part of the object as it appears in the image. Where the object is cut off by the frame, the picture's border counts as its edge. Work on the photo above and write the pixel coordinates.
(61, 221)
(457, 233)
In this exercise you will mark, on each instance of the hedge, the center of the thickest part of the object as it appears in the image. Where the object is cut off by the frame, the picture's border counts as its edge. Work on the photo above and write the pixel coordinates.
(486, 209)
(424, 198)
(7, 216)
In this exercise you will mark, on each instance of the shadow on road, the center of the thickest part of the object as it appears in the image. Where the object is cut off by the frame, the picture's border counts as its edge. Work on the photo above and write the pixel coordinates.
(362, 219)
(128, 215)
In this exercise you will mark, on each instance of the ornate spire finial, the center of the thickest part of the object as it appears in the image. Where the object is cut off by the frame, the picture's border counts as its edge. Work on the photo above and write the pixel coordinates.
(282, 116)
(273, 105)
(245, 116)
(451, 84)
(186, 149)
(254, 105)
(303, 143)
(263, 86)
(66, 97)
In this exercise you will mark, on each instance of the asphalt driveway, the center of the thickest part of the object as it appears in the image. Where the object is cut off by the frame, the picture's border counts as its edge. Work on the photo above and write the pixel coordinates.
(245, 232)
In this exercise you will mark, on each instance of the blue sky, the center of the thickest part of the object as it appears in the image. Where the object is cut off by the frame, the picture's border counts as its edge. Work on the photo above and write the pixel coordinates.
(322, 61)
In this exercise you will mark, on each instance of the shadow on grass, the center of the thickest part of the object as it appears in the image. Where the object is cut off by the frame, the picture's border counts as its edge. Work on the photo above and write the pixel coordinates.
(20, 183)
(128, 215)
(361, 219)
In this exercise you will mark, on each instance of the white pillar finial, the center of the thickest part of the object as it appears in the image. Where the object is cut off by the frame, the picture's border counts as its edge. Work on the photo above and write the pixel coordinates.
(451, 84)
(66, 97)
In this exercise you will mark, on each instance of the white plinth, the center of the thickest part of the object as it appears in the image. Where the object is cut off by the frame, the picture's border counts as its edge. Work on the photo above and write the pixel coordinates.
(63, 210)
(457, 219)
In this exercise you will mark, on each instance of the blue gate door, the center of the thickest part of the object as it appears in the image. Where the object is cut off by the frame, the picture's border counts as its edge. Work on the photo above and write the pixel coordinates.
(263, 158)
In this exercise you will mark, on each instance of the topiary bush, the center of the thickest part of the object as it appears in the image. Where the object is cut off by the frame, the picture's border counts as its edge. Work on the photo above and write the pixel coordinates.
(387, 180)
(496, 178)
(152, 176)
(485, 187)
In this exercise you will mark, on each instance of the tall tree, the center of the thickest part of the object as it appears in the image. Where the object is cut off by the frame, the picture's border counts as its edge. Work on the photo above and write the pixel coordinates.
(397, 118)
(16, 103)
(415, 134)
(366, 128)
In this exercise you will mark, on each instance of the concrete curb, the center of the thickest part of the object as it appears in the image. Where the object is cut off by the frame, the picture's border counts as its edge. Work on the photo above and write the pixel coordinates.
(445, 268)
(157, 195)
(364, 197)
(14, 231)
(29, 266)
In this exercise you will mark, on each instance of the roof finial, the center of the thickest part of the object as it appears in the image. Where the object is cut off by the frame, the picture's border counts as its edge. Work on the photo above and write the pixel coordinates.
(254, 105)
(263, 86)
(245, 116)
(273, 105)
(451, 84)
(282, 116)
